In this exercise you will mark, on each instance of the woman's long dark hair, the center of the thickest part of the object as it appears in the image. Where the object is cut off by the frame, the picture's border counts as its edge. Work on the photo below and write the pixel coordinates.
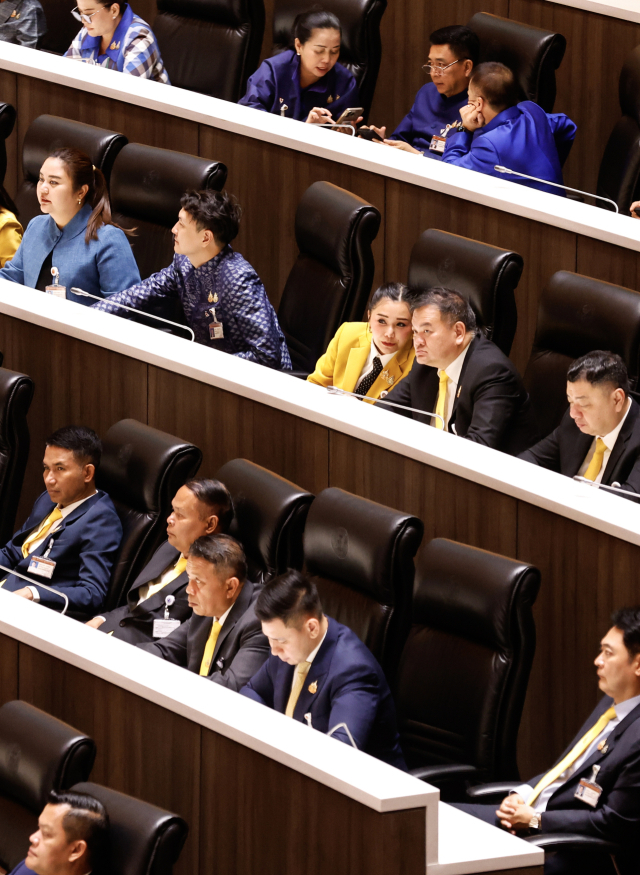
(6, 202)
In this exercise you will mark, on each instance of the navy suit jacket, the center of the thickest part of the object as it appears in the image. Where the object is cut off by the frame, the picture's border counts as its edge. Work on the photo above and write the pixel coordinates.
(351, 688)
(84, 548)
(21, 869)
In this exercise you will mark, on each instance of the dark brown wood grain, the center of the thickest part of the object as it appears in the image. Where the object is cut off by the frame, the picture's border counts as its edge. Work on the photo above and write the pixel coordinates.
(9, 94)
(8, 669)
(610, 263)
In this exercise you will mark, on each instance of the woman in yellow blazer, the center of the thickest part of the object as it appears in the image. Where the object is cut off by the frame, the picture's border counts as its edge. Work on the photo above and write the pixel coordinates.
(370, 358)
(10, 228)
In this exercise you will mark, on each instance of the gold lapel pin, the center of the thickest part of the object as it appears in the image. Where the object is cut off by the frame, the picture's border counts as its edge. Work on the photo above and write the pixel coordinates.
(313, 688)
(330, 99)
(459, 391)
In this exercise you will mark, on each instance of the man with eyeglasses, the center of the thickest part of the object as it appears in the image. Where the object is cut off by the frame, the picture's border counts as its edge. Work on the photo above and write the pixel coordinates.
(452, 56)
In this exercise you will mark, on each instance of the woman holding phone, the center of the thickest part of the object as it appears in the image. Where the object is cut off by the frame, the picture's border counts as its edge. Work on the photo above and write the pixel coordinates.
(306, 82)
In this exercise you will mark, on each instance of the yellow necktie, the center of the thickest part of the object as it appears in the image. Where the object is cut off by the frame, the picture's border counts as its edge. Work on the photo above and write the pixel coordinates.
(442, 397)
(41, 531)
(572, 756)
(150, 589)
(210, 646)
(302, 670)
(596, 462)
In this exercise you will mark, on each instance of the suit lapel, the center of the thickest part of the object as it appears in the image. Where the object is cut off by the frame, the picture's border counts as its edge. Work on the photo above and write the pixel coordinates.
(317, 673)
(393, 372)
(355, 363)
(74, 515)
(619, 447)
(470, 350)
(611, 740)
(158, 598)
(240, 606)
(164, 556)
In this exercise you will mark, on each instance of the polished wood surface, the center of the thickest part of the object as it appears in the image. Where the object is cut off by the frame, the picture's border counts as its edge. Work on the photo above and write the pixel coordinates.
(8, 669)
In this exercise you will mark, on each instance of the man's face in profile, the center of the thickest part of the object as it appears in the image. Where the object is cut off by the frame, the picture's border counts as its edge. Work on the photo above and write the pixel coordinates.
(50, 851)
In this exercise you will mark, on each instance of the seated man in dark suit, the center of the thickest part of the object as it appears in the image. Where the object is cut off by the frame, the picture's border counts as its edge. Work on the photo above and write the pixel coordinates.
(223, 638)
(73, 533)
(321, 672)
(599, 436)
(463, 377)
(71, 838)
(605, 753)
(200, 507)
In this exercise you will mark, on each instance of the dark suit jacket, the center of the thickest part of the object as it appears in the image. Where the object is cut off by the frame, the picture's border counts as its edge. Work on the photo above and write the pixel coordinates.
(133, 622)
(491, 405)
(617, 814)
(85, 546)
(240, 650)
(565, 449)
(351, 688)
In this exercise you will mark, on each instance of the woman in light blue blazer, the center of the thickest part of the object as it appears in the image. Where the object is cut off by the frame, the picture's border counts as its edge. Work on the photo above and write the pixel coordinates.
(76, 237)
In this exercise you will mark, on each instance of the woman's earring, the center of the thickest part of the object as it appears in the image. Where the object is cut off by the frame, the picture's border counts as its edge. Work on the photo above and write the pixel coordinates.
(79, 200)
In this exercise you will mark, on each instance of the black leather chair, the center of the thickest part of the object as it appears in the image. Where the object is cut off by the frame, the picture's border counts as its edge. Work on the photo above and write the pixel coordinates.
(533, 54)
(146, 186)
(360, 554)
(485, 275)
(49, 132)
(270, 513)
(331, 279)
(361, 49)
(464, 669)
(210, 46)
(143, 839)
(8, 116)
(16, 394)
(38, 754)
(141, 469)
(576, 315)
(619, 176)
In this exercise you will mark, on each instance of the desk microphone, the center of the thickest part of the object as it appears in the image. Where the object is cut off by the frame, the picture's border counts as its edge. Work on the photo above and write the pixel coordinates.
(335, 390)
(346, 729)
(615, 487)
(81, 293)
(598, 197)
(43, 585)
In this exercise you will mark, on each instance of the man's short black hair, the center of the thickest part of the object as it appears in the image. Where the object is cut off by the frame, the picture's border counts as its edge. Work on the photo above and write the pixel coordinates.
(627, 620)
(497, 84)
(292, 597)
(600, 367)
(83, 442)
(223, 552)
(462, 41)
(214, 211)
(452, 306)
(216, 497)
(87, 821)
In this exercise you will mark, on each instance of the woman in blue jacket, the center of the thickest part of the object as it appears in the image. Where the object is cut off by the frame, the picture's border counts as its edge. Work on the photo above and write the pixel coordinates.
(305, 82)
(76, 236)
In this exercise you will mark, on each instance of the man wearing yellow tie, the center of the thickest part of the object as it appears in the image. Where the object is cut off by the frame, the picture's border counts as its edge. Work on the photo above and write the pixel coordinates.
(222, 640)
(594, 788)
(599, 435)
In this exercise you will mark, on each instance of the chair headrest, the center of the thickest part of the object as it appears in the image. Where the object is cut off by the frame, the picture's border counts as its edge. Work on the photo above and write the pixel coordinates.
(142, 837)
(39, 753)
(326, 219)
(577, 314)
(360, 543)
(232, 13)
(147, 183)
(629, 87)
(7, 120)
(135, 461)
(469, 593)
(49, 132)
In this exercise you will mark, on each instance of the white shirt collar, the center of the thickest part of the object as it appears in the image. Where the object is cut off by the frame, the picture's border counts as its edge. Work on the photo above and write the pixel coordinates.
(65, 511)
(224, 616)
(373, 352)
(611, 438)
(314, 652)
(625, 708)
(454, 370)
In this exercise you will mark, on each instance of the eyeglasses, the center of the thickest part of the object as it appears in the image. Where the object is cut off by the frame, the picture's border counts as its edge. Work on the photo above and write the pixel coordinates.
(81, 17)
(433, 68)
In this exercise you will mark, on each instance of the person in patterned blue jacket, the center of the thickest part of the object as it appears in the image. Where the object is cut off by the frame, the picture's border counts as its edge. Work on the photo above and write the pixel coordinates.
(223, 298)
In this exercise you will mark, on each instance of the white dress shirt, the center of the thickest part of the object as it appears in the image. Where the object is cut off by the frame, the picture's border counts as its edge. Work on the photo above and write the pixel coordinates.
(368, 365)
(311, 656)
(453, 372)
(609, 441)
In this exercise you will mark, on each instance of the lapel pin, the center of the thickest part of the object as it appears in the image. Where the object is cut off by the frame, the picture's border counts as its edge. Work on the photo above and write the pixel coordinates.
(313, 688)
(459, 391)
(603, 747)
(330, 99)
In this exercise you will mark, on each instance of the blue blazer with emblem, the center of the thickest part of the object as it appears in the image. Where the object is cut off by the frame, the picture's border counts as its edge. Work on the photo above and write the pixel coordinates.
(84, 548)
(350, 688)
(101, 267)
(276, 84)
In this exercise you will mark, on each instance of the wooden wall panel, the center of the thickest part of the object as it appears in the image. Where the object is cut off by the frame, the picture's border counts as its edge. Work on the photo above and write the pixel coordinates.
(269, 182)
(545, 249)
(613, 264)
(8, 669)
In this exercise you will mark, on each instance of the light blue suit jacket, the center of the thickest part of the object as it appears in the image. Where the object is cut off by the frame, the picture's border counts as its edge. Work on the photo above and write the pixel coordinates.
(101, 267)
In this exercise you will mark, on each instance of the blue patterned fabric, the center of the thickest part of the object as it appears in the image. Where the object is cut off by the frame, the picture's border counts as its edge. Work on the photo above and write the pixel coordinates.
(22, 22)
(251, 328)
(430, 113)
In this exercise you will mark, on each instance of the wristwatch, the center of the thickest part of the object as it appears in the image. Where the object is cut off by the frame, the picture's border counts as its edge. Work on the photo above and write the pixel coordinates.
(535, 821)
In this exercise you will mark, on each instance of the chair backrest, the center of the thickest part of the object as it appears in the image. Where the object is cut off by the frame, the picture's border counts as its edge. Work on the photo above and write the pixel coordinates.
(143, 839)
(361, 47)
(210, 46)
(619, 176)
(7, 122)
(49, 132)
(16, 394)
(485, 275)
(61, 26)
(532, 53)
(472, 632)
(576, 315)
(360, 554)
(38, 753)
(269, 517)
(331, 279)
(141, 469)
(146, 186)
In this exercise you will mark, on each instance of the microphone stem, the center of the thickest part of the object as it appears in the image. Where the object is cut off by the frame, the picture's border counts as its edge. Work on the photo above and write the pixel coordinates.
(508, 172)
(37, 583)
(83, 294)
